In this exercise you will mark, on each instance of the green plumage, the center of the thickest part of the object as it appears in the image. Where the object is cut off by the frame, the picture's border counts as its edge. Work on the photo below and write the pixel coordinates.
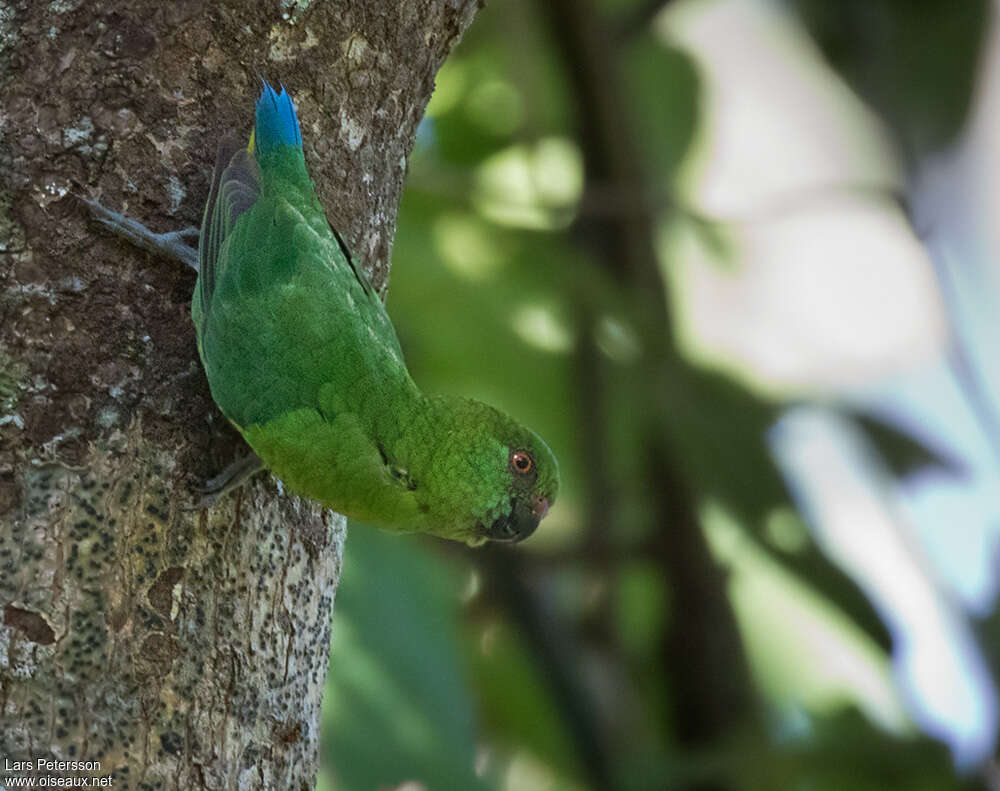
(303, 359)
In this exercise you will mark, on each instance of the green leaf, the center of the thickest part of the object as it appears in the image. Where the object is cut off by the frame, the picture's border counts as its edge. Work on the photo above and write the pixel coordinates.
(663, 86)
(903, 453)
(915, 61)
(516, 702)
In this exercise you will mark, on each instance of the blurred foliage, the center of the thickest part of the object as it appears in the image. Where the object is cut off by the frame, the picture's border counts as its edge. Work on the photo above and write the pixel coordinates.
(436, 677)
(398, 705)
(915, 61)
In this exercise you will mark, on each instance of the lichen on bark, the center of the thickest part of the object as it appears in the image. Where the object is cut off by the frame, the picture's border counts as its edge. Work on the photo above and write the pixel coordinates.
(179, 648)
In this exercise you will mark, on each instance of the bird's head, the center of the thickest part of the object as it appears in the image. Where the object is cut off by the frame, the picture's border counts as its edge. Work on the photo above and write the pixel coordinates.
(497, 477)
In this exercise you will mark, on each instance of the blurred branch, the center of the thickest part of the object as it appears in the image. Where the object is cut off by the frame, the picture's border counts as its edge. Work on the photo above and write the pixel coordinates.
(610, 158)
(607, 201)
(553, 649)
(601, 499)
(702, 650)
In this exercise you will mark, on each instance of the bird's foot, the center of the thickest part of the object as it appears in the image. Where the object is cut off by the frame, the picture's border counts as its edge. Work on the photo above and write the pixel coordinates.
(180, 245)
(234, 476)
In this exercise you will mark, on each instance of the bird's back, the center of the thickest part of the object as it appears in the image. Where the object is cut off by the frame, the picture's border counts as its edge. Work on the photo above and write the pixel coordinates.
(280, 308)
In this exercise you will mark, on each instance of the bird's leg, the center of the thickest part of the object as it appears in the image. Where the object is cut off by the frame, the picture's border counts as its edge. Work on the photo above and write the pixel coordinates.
(173, 244)
(234, 476)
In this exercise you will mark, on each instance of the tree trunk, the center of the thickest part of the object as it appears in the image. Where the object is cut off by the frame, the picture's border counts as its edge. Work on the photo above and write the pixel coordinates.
(180, 649)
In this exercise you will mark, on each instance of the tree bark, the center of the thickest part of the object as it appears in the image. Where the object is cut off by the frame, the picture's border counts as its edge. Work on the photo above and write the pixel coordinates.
(180, 649)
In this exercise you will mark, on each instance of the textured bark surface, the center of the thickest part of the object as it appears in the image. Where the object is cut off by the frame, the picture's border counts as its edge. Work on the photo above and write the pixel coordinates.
(181, 649)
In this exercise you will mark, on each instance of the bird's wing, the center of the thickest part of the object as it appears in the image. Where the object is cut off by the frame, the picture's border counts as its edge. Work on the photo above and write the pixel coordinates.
(235, 188)
(287, 315)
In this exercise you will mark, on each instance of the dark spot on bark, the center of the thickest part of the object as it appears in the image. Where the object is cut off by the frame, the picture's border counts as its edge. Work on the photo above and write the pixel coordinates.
(117, 618)
(171, 742)
(160, 651)
(315, 536)
(31, 623)
(250, 755)
(287, 732)
(9, 496)
(126, 38)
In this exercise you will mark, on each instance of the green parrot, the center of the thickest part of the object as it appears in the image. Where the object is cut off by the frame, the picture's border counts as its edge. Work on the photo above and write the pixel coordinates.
(302, 358)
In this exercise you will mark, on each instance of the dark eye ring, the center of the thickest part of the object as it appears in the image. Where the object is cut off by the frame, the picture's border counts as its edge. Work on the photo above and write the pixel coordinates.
(521, 462)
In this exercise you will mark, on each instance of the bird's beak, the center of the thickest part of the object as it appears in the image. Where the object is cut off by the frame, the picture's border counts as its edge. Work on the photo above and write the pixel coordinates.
(521, 522)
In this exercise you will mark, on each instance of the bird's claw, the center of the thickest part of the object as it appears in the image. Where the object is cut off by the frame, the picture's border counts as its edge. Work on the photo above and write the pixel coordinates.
(173, 244)
(232, 477)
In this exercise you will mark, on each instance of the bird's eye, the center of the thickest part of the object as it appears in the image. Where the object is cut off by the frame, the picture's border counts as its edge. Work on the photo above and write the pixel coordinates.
(521, 462)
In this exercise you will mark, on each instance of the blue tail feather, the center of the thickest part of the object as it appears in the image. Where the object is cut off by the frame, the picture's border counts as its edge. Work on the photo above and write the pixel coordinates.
(276, 123)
